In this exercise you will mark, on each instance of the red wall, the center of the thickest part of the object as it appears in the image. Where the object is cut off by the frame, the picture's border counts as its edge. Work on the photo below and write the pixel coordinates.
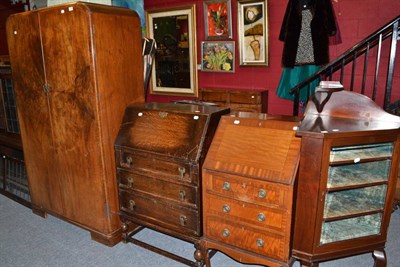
(6, 9)
(357, 19)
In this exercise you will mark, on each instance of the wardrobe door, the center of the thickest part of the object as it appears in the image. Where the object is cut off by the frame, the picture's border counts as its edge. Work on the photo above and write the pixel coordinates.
(68, 56)
(32, 105)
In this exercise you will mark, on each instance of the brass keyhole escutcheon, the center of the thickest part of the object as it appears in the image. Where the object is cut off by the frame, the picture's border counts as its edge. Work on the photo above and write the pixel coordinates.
(163, 114)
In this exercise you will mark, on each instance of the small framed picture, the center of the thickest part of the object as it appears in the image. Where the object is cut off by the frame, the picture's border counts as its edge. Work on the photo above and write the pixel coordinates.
(218, 56)
(217, 19)
(253, 32)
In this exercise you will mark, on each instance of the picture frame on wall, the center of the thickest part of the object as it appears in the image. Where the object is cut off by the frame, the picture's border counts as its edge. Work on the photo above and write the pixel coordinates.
(218, 56)
(217, 19)
(253, 32)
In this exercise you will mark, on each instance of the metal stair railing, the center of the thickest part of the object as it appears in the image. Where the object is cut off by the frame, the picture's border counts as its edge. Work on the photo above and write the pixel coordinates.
(390, 30)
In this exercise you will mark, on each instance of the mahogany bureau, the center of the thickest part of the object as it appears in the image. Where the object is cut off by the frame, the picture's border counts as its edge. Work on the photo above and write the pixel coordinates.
(248, 186)
(160, 149)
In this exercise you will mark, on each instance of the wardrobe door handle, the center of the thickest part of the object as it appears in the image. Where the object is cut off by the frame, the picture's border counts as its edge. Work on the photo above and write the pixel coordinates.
(46, 88)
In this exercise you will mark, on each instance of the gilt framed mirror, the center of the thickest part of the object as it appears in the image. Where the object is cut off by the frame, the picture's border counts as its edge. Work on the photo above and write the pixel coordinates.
(174, 69)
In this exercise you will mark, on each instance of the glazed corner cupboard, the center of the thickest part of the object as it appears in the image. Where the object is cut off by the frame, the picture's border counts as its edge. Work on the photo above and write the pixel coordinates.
(347, 178)
(75, 68)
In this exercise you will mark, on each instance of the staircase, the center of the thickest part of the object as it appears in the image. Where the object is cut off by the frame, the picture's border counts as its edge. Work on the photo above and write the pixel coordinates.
(367, 68)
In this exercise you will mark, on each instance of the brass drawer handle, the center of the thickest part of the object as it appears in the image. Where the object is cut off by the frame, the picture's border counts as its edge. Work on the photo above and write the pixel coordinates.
(261, 217)
(226, 208)
(128, 162)
(183, 220)
(163, 114)
(182, 195)
(226, 232)
(226, 186)
(262, 193)
(182, 172)
(129, 183)
(260, 242)
(132, 204)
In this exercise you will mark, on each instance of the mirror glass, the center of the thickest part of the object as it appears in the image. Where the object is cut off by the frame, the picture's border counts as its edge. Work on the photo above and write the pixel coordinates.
(174, 68)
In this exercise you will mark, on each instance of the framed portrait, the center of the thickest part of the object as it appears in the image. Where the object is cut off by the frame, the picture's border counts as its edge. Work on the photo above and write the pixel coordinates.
(253, 32)
(218, 56)
(217, 19)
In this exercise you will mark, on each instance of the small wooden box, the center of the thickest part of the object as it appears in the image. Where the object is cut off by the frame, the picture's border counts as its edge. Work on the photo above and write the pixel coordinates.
(248, 183)
(237, 99)
(159, 150)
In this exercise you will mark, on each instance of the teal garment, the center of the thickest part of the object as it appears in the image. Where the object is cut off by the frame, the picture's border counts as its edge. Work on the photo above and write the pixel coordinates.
(292, 77)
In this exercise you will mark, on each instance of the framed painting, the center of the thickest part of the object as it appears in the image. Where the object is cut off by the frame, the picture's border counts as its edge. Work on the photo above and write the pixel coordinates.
(218, 19)
(253, 32)
(218, 56)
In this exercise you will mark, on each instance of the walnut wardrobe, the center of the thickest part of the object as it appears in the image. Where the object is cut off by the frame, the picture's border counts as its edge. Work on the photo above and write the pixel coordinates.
(75, 68)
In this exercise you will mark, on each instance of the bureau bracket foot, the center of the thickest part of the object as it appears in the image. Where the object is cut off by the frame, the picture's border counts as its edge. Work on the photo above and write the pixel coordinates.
(38, 211)
(309, 264)
(396, 204)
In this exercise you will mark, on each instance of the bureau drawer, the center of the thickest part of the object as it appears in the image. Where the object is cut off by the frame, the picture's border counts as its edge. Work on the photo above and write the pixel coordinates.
(182, 194)
(160, 212)
(248, 190)
(246, 107)
(258, 216)
(270, 245)
(245, 97)
(151, 165)
(218, 96)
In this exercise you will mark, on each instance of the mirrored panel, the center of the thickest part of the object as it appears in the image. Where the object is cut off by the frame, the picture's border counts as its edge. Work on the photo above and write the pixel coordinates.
(174, 68)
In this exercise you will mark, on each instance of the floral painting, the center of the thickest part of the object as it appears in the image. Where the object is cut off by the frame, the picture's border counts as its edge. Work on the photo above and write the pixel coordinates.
(218, 56)
(217, 17)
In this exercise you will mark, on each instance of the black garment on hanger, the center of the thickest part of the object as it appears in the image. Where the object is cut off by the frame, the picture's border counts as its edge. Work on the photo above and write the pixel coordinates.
(323, 25)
